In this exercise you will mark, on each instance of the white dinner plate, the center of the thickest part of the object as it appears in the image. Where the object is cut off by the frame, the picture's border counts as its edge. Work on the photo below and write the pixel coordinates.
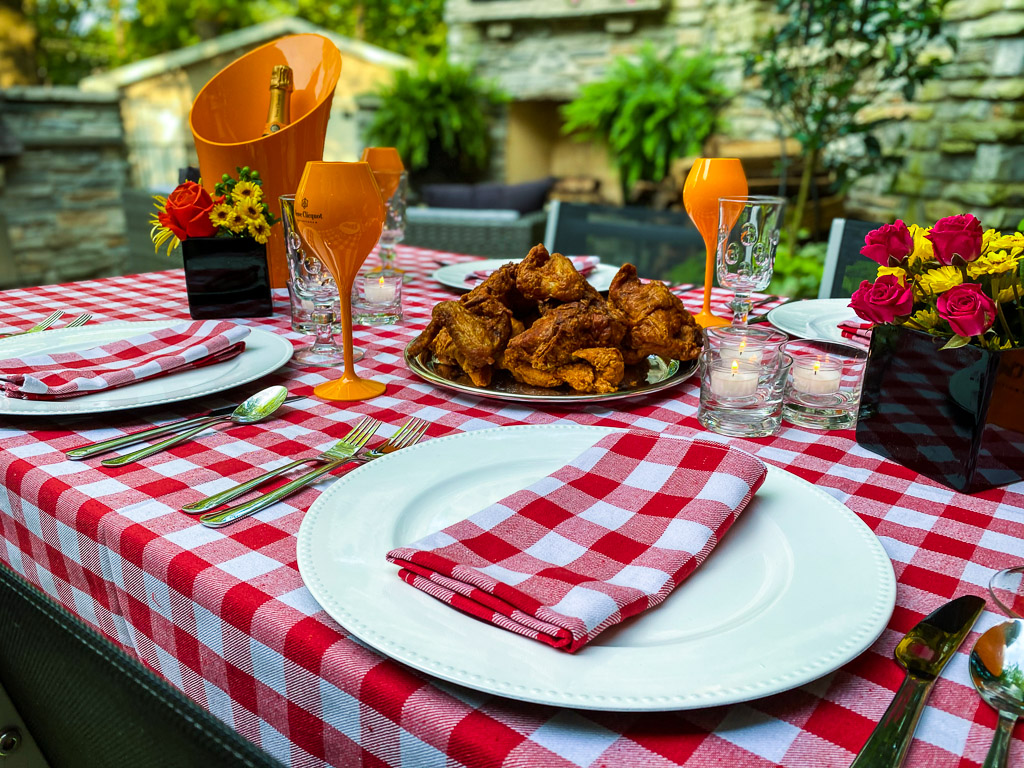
(813, 318)
(798, 587)
(264, 352)
(454, 275)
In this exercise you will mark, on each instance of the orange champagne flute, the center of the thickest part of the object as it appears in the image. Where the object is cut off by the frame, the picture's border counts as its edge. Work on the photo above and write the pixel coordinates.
(709, 179)
(388, 170)
(340, 214)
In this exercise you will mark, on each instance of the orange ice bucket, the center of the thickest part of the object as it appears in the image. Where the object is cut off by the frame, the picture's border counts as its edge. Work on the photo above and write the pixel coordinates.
(230, 112)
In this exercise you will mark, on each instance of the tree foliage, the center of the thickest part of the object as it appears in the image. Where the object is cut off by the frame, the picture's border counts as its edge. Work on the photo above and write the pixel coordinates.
(650, 110)
(79, 37)
(826, 60)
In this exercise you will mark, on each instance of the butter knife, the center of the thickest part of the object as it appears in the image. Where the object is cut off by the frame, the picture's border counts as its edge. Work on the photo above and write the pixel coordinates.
(95, 449)
(923, 653)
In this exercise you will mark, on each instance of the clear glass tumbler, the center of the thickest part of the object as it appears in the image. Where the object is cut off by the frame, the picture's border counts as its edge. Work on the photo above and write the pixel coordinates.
(823, 391)
(740, 397)
(748, 234)
(746, 343)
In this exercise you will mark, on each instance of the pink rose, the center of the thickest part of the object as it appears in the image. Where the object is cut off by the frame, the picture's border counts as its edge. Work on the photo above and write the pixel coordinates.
(967, 309)
(956, 236)
(889, 243)
(882, 301)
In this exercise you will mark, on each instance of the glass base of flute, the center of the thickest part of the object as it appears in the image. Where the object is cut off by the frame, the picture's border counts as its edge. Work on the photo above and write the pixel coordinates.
(323, 351)
(706, 318)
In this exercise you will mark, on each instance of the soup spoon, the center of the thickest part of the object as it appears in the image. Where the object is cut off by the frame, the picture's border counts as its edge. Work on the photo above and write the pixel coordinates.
(997, 671)
(250, 411)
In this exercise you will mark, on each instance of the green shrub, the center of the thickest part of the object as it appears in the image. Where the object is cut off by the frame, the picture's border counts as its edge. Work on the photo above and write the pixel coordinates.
(798, 274)
(650, 111)
(438, 117)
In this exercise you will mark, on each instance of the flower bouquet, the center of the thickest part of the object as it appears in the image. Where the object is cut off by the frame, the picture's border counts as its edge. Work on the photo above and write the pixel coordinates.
(945, 374)
(223, 243)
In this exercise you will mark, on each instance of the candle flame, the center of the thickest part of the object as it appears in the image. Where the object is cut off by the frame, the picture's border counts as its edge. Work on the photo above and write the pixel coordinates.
(817, 365)
(735, 366)
(381, 281)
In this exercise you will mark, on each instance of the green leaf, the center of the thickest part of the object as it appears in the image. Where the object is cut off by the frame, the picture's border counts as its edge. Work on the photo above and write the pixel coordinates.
(956, 342)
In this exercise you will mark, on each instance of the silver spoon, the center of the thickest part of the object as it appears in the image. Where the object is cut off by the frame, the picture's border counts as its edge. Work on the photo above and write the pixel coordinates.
(250, 411)
(997, 671)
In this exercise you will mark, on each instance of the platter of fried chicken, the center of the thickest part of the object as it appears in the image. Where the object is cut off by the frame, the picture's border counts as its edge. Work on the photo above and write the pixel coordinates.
(537, 331)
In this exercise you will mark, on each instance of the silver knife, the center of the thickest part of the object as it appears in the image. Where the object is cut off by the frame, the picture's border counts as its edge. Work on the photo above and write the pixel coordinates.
(923, 653)
(95, 449)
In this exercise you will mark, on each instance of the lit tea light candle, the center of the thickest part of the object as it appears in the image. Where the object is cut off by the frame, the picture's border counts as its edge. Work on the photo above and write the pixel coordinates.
(816, 377)
(380, 290)
(752, 353)
(734, 379)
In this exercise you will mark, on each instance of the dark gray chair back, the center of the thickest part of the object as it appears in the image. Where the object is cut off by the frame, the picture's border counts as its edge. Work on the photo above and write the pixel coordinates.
(845, 268)
(663, 245)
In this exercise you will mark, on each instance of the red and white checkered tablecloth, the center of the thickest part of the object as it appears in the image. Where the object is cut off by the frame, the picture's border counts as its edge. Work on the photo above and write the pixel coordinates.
(224, 615)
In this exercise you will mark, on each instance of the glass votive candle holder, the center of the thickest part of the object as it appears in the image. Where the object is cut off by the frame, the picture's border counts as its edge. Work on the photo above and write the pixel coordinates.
(377, 298)
(823, 390)
(748, 345)
(740, 397)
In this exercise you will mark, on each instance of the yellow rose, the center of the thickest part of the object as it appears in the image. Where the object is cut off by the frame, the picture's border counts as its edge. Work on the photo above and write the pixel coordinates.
(940, 279)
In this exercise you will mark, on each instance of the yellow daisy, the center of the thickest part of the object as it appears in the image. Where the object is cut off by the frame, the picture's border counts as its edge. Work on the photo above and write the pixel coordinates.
(989, 238)
(898, 271)
(248, 210)
(940, 279)
(259, 229)
(246, 191)
(236, 223)
(1011, 242)
(925, 319)
(994, 263)
(922, 253)
(1007, 294)
(221, 215)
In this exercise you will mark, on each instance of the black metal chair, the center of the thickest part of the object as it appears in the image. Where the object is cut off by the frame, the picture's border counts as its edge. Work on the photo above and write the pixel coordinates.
(663, 245)
(87, 704)
(845, 268)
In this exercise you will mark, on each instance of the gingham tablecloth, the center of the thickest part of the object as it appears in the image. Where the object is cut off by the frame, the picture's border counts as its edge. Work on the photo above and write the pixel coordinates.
(223, 614)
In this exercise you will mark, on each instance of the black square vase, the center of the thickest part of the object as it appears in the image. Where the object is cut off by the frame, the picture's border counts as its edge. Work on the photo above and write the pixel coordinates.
(954, 415)
(226, 277)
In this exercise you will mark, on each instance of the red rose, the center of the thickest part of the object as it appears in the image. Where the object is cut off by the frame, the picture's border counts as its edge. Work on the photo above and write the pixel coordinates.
(968, 310)
(889, 243)
(956, 236)
(882, 301)
(187, 212)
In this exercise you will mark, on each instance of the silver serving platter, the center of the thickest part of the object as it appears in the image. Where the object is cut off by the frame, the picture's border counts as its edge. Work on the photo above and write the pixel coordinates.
(661, 375)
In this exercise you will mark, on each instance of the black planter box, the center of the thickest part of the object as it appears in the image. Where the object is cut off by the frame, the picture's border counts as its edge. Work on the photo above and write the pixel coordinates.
(954, 415)
(226, 277)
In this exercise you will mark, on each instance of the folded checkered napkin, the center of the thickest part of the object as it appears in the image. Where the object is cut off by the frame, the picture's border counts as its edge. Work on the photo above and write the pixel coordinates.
(856, 331)
(604, 538)
(146, 356)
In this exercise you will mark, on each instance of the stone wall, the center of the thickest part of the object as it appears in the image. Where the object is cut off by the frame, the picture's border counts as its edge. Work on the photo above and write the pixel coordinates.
(61, 198)
(961, 142)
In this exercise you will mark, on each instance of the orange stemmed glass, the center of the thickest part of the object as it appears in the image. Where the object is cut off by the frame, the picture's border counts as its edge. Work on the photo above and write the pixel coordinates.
(339, 213)
(709, 179)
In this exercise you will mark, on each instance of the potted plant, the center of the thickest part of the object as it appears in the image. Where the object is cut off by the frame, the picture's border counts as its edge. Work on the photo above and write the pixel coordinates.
(224, 244)
(944, 380)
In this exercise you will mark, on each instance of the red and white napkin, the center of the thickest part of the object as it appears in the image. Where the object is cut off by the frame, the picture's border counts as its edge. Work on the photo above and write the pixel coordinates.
(856, 330)
(584, 265)
(146, 356)
(605, 537)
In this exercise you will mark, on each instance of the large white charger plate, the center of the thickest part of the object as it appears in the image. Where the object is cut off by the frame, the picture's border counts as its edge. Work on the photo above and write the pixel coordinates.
(797, 588)
(454, 275)
(813, 318)
(264, 352)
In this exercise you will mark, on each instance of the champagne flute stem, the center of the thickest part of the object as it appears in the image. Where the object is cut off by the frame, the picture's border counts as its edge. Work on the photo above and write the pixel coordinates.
(346, 329)
(709, 271)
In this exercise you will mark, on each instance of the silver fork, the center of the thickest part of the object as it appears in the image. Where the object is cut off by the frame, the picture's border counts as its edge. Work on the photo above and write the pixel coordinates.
(343, 449)
(79, 321)
(409, 434)
(42, 325)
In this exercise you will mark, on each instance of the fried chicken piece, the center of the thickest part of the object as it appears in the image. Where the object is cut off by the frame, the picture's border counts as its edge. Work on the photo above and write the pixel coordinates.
(543, 276)
(501, 286)
(451, 363)
(476, 335)
(599, 370)
(658, 322)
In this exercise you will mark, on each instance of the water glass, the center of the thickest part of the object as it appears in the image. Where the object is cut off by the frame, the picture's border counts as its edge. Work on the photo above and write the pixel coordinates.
(823, 391)
(748, 234)
(377, 298)
(740, 397)
(746, 343)
(394, 222)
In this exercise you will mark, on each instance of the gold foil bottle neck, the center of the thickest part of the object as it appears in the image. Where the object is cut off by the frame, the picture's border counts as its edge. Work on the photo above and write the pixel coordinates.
(281, 77)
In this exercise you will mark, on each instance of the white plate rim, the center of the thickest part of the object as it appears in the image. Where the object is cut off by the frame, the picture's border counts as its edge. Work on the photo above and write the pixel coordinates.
(872, 626)
(454, 275)
(260, 344)
(782, 317)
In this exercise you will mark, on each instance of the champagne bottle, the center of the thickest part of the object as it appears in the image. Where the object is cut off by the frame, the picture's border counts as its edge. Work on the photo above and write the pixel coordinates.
(280, 88)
